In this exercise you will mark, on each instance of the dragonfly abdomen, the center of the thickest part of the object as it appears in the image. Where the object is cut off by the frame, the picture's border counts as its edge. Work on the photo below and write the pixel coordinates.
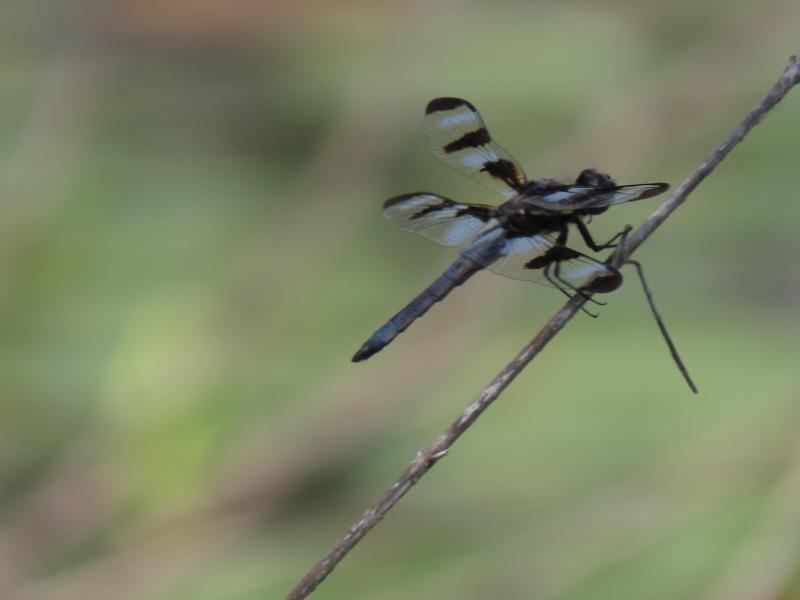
(461, 270)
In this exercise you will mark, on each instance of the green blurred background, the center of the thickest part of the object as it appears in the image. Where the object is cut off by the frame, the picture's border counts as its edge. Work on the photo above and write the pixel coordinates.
(192, 248)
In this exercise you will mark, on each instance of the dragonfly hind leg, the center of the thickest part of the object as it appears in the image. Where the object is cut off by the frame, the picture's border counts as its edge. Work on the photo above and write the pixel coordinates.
(565, 287)
(569, 286)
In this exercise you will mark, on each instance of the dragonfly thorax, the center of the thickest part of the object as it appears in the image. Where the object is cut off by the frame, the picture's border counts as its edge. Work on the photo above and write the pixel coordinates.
(519, 217)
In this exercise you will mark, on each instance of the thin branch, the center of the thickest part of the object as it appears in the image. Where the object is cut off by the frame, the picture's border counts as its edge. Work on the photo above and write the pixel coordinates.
(426, 459)
(789, 78)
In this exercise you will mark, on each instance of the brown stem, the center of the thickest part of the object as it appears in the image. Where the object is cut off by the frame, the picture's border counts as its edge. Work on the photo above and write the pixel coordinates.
(426, 459)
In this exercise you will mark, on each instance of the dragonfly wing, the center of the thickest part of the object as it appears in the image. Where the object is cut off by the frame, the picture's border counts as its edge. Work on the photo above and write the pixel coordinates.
(541, 260)
(579, 197)
(437, 218)
(627, 193)
(459, 139)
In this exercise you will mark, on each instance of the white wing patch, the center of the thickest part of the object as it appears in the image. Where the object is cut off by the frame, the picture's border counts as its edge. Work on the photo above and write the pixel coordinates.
(518, 251)
(456, 120)
(461, 232)
(558, 196)
(475, 159)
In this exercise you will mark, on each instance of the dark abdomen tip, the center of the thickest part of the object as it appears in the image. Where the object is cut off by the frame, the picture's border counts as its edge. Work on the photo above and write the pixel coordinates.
(365, 352)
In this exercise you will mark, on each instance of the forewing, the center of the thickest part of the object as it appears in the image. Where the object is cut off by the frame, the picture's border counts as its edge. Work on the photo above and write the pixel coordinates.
(539, 259)
(437, 218)
(578, 197)
(459, 138)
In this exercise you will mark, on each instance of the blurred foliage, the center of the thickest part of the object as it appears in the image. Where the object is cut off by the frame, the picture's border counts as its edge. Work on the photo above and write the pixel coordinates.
(192, 248)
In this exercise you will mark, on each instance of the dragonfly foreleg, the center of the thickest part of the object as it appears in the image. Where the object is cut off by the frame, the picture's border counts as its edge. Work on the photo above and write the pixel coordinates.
(612, 243)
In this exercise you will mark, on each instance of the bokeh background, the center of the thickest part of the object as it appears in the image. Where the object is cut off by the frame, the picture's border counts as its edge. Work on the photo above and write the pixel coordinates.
(192, 248)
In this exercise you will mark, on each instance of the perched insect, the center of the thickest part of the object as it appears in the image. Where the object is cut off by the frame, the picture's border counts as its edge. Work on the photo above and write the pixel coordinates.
(525, 237)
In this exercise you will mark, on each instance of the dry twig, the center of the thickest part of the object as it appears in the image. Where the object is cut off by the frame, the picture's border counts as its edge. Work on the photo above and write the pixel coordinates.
(425, 460)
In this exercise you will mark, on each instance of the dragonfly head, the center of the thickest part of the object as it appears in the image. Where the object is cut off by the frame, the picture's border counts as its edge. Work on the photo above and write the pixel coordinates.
(595, 178)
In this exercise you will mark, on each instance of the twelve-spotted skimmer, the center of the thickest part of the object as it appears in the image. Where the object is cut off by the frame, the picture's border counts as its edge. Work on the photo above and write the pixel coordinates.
(525, 237)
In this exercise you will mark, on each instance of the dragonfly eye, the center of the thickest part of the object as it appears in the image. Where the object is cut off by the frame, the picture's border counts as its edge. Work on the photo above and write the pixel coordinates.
(594, 178)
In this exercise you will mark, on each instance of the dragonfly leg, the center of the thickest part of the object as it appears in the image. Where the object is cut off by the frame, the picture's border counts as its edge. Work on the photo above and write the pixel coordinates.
(568, 285)
(622, 236)
(662, 327)
(562, 286)
(612, 243)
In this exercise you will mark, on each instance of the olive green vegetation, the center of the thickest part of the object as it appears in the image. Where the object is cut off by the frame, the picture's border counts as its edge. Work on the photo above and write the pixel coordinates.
(192, 249)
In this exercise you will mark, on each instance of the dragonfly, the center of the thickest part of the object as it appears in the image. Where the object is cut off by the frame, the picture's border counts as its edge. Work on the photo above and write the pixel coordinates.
(524, 237)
